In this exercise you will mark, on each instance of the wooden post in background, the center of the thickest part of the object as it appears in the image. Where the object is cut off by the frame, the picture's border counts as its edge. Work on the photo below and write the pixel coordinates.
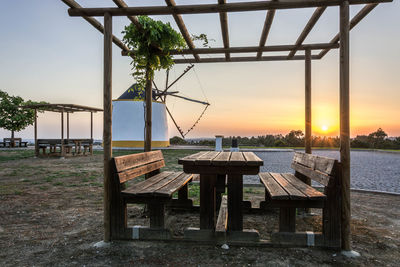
(62, 134)
(107, 117)
(148, 124)
(67, 126)
(91, 125)
(345, 122)
(35, 130)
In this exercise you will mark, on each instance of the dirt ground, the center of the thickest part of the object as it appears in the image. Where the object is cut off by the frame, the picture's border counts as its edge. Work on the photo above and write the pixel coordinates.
(51, 215)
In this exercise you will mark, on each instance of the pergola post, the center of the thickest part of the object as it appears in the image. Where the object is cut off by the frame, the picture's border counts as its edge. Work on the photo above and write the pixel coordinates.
(67, 126)
(345, 123)
(91, 125)
(107, 132)
(147, 141)
(62, 134)
(35, 131)
(308, 102)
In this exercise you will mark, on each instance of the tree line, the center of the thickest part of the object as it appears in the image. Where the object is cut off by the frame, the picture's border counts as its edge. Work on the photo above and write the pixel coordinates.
(295, 138)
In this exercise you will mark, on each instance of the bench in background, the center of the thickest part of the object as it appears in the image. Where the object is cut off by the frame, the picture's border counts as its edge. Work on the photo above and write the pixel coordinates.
(288, 192)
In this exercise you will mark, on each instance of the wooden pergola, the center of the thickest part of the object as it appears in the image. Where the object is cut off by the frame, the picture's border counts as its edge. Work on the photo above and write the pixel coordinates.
(61, 108)
(340, 40)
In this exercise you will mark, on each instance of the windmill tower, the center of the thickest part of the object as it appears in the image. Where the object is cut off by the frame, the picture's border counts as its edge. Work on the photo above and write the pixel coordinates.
(128, 115)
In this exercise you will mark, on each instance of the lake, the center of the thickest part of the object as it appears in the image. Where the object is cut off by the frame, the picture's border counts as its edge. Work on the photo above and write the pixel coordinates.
(371, 170)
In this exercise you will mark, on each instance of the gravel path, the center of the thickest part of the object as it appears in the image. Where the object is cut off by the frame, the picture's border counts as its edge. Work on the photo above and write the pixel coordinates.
(370, 170)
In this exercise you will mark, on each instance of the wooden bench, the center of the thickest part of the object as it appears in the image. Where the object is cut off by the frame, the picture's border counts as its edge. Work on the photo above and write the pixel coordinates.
(156, 191)
(87, 146)
(288, 192)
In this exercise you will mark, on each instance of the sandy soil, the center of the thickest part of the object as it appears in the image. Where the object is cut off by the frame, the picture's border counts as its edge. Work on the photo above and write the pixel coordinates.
(51, 215)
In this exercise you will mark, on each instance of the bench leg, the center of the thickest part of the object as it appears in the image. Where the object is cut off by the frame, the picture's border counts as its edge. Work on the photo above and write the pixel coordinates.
(287, 220)
(157, 211)
(118, 219)
(331, 215)
(235, 202)
(207, 201)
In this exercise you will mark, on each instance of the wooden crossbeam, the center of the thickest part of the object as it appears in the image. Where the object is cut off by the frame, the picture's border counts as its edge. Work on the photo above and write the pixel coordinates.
(242, 59)
(265, 32)
(250, 49)
(181, 25)
(133, 19)
(223, 18)
(307, 29)
(213, 8)
(95, 23)
(354, 21)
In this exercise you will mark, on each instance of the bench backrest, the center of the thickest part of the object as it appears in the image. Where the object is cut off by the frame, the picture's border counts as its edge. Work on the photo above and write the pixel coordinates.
(317, 168)
(131, 166)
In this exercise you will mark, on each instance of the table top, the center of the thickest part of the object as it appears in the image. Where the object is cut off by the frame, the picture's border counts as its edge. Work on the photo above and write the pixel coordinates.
(215, 158)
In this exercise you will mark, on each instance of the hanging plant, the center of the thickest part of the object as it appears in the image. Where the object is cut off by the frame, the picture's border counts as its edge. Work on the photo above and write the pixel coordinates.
(151, 45)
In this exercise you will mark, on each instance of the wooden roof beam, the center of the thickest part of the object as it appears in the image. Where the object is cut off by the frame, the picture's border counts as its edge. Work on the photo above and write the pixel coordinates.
(242, 59)
(265, 32)
(213, 8)
(181, 25)
(95, 23)
(250, 49)
(223, 18)
(354, 21)
(133, 19)
(307, 29)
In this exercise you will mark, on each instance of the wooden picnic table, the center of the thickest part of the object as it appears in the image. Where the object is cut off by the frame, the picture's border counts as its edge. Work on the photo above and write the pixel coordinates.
(210, 164)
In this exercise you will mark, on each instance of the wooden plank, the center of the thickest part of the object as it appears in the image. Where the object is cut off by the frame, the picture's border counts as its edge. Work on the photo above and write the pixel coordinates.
(221, 159)
(317, 176)
(206, 159)
(242, 59)
(322, 164)
(135, 172)
(222, 221)
(146, 183)
(237, 159)
(274, 189)
(191, 159)
(223, 18)
(247, 170)
(252, 159)
(148, 109)
(307, 29)
(123, 163)
(292, 191)
(170, 188)
(211, 8)
(287, 220)
(149, 191)
(307, 190)
(265, 32)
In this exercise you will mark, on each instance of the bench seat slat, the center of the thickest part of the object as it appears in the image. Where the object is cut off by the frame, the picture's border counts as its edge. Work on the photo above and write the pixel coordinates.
(175, 185)
(127, 162)
(274, 189)
(293, 192)
(307, 190)
(148, 190)
(147, 183)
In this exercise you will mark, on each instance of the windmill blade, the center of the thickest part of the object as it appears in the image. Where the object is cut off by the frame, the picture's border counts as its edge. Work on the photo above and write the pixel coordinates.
(192, 100)
(177, 79)
(176, 125)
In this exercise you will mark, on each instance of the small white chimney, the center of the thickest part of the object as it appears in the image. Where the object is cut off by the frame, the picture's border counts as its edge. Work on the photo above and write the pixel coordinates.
(218, 142)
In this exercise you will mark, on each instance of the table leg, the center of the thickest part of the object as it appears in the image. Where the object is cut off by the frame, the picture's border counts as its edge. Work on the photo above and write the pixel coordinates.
(235, 202)
(220, 189)
(207, 201)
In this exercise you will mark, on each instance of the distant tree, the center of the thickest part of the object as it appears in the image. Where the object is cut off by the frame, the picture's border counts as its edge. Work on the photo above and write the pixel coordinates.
(176, 140)
(295, 138)
(12, 117)
(377, 138)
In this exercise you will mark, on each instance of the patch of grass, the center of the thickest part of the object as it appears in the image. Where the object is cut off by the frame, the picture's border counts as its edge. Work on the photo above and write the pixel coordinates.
(25, 180)
(13, 173)
(92, 177)
(85, 180)
(96, 184)
(18, 192)
(58, 183)
(13, 154)
(43, 187)
(72, 185)
(194, 193)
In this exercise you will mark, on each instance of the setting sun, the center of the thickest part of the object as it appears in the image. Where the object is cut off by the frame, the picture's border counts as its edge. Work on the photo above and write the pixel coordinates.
(324, 128)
